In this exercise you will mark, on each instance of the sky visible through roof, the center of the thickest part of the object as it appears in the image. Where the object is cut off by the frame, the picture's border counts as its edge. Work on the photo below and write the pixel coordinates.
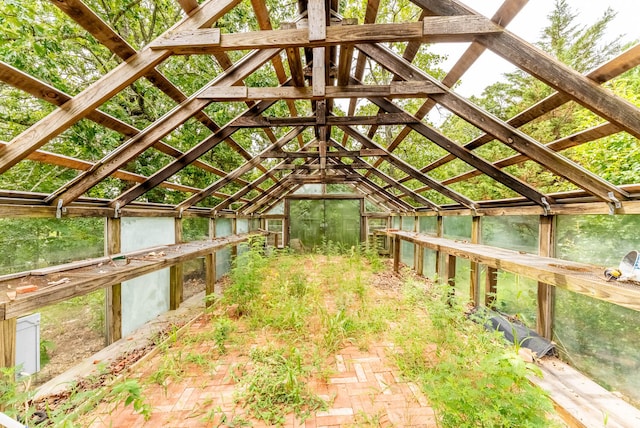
(528, 24)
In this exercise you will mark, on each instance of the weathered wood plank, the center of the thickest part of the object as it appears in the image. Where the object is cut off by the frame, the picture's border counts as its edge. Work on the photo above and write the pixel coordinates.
(462, 29)
(194, 199)
(580, 278)
(95, 95)
(380, 119)
(113, 294)
(546, 292)
(158, 130)
(504, 132)
(43, 91)
(582, 402)
(623, 62)
(412, 89)
(555, 74)
(101, 276)
(188, 5)
(7, 345)
(503, 16)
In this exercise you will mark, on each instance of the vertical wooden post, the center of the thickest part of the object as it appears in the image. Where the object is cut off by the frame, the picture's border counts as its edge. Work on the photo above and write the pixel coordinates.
(450, 270)
(234, 230)
(546, 292)
(210, 266)
(286, 223)
(113, 294)
(176, 273)
(396, 254)
(474, 274)
(420, 260)
(388, 239)
(363, 223)
(419, 250)
(491, 287)
(439, 233)
(8, 343)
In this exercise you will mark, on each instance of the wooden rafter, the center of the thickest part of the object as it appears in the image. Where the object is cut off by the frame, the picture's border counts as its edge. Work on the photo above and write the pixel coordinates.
(96, 94)
(613, 68)
(157, 130)
(42, 90)
(502, 131)
(243, 169)
(503, 16)
(555, 74)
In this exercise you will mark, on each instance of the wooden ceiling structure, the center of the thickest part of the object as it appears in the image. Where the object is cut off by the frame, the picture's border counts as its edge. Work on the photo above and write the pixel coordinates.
(321, 57)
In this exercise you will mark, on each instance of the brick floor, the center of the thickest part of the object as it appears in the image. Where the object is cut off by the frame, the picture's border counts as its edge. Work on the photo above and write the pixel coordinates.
(365, 390)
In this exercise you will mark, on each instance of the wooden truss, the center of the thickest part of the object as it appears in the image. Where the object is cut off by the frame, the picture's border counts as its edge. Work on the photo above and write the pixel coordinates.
(326, 56)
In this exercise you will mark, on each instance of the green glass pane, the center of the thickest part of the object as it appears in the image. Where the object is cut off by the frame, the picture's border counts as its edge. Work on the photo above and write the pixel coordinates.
(598, 338)
(519, 233)
(307, 222)
(316, 221)
(457, 227)
(343, 221)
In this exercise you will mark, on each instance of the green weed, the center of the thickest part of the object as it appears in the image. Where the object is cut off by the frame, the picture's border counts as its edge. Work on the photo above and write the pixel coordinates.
(130, 393)
(276, 386)
(222, 330)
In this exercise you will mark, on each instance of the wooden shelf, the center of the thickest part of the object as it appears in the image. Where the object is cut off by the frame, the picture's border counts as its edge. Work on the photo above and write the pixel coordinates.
(580, 278)
(63, 282)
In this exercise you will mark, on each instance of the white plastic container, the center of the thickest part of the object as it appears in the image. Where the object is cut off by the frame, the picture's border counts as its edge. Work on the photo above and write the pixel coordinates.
(28, 344)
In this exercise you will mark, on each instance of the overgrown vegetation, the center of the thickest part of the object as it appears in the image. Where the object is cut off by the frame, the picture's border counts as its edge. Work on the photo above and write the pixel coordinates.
(300, 310)
(470, 377)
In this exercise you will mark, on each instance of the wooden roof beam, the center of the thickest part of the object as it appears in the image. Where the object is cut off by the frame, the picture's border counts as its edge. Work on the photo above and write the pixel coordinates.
(359, 163)
(81, 165)
(432, 29)
(400, 89)
(243, 169)
(503, 16)
(380, 119)
(591, 134)
(157, 130)
(264, 22)
(189, 156)
(370, 15)
(550, 71)
(42, 90)
(253, 185)
(103, 89)
(613, 68)
(402, 165)
(509, 135)
(188, 5)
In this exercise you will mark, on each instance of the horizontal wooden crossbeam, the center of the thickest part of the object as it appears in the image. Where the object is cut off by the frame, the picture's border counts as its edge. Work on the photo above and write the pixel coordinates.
(433, 29)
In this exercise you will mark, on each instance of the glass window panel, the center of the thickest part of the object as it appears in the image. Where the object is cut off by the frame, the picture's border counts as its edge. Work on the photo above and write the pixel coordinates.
(223, 227)
(519, 233)
(456, 227)
(597, 337)
(195, 229)
(428, 225)
(33, 243)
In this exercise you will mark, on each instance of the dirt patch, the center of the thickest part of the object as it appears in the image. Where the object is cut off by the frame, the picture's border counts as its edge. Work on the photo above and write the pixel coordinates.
(72, 331)
(69, 333)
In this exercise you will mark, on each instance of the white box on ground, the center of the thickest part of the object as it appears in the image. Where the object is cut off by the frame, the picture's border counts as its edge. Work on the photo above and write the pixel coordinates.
(28, 344)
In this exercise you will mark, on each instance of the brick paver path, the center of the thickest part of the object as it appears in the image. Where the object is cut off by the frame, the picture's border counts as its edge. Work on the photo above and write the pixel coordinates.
(364, 390)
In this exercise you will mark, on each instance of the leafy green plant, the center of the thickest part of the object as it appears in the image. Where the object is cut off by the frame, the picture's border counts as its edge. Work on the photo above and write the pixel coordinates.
(276, 386)
(222, 330)
(337, 328)
(130, 393)
(45, 347)
(245, 276)
(471, 377)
